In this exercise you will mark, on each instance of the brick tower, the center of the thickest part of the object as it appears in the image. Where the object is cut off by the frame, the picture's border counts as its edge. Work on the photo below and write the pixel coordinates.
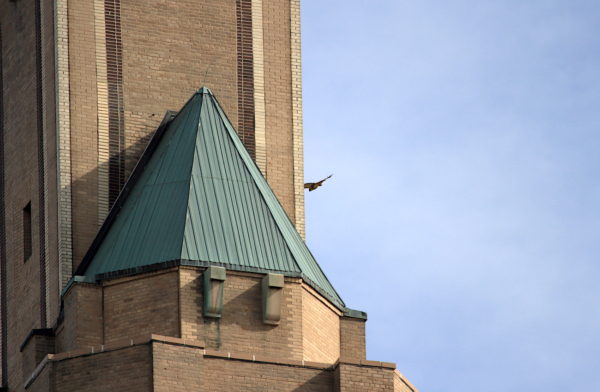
(145, 251)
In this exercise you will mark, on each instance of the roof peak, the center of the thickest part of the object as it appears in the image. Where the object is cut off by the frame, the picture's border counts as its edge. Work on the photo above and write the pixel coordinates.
(204, 90)
(196, 194)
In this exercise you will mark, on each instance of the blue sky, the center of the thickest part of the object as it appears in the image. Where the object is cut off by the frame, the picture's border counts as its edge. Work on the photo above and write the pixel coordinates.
(463, 214)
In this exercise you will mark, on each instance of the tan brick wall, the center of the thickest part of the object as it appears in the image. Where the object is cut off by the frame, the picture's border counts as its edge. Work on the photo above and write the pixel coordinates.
(401, 384)
(177, 369)
(357, 378)
(240, 328)
(352, 339)
(309, 328)
(141, 306)
(190, 304)
(152, 303)
(166, 364)
(82, 325)
(160, 363)
(17, 21)
(278, 101)
(50, 148)
(63, 141)
(84, 127)
(102, 109)
(128, 369)
(259, 85)
(182, 369)
(244, 376)
(165, 62)
(297, 121)
(320, 328)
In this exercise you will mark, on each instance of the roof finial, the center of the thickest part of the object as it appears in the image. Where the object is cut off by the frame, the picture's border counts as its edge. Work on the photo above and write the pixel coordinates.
(206, 72)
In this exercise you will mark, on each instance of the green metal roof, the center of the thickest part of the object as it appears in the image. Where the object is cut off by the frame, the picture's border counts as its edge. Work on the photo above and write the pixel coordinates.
(196, 194)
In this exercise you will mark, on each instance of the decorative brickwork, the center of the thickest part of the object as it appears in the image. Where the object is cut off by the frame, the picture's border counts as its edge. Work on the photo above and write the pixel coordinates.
(103, 110)
(83, 132)
(116, 125)
(258, 62)
(245, 75)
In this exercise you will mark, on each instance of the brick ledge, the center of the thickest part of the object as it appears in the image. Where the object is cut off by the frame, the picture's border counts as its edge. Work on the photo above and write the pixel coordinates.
(207, 353)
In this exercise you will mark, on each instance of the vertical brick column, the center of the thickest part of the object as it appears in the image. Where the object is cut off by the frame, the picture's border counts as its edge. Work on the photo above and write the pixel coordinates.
(83, 318)
(41, 163)
(297, 132)
(63, 120)
(352, 339)
(116, 131)
(3, 280)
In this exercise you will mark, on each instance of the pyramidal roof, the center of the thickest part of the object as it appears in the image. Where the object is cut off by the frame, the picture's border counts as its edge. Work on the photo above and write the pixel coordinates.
(197, 196)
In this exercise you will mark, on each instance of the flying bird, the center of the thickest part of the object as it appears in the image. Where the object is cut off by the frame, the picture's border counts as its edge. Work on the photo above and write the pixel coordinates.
(311, 186)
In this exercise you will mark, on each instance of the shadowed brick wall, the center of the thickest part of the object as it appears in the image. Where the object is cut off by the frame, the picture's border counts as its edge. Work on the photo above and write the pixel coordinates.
(83, 323)
(140, 306)
(128, 369)
(27, 76)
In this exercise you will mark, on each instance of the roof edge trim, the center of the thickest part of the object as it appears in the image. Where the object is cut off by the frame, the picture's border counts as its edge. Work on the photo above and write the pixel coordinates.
(232, 267)
(133, 178)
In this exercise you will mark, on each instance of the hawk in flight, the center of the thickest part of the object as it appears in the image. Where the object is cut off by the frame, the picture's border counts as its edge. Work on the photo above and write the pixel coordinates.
(311, 186)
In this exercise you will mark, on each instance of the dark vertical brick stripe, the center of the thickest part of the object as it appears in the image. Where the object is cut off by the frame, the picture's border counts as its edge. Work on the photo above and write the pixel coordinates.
(41, 173)
(116, 132)
(3, 280)
(245, 77)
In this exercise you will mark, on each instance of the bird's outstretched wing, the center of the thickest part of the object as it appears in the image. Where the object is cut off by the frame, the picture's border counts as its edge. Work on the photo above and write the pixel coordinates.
(311, 186)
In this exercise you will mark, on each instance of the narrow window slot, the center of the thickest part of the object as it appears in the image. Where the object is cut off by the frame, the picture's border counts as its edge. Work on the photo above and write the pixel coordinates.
(27, 237)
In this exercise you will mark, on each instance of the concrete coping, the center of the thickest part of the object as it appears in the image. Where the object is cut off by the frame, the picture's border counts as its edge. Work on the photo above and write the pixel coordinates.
(76, 279)
(358, 314)
(367, 363)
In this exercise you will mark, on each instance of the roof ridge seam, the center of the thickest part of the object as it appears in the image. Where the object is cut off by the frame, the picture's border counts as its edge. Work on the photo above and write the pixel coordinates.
(188, 177)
